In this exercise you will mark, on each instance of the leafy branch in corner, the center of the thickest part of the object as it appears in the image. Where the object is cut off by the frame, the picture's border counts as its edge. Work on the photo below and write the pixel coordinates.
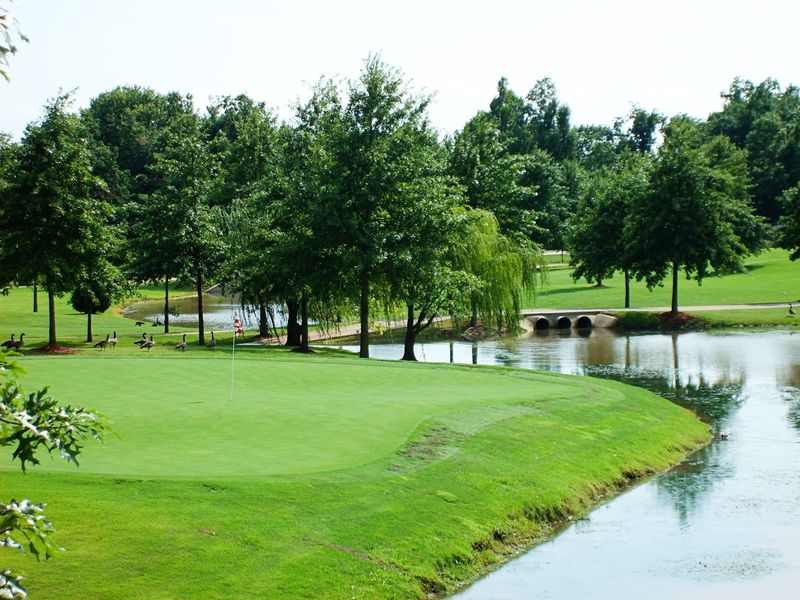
(29, 424)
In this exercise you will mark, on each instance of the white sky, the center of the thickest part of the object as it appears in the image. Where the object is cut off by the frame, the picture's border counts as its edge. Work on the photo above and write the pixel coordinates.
(674, 55)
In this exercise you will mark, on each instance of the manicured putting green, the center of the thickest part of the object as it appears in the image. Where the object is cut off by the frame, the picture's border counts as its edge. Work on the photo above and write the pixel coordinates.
(325, 476)
(180, 416)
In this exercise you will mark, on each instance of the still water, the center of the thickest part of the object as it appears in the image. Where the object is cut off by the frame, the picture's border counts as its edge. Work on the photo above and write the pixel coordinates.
(218, 312)
(725, 524)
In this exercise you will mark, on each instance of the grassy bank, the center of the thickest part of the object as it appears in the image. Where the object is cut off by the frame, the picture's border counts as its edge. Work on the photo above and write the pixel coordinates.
(324, 476)
(707, 319)
(769, 277)
(16, 315)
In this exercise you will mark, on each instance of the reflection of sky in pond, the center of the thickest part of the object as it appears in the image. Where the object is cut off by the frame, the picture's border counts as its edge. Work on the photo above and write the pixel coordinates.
(725, 524)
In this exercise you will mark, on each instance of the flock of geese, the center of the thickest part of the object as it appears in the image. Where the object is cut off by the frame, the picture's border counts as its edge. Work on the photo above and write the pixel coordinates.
(13, 344)
(144, 343)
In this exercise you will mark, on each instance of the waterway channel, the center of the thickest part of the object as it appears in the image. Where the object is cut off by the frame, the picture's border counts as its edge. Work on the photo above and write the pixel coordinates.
(725, 524)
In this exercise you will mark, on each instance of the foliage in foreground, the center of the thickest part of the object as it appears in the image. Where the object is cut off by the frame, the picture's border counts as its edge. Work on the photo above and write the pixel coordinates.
(28, 424)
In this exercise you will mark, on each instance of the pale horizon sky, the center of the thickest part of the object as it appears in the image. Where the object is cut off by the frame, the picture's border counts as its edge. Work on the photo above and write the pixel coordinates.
(603, 56)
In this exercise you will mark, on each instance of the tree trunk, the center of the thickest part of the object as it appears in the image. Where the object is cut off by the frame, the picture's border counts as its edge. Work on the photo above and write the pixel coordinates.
(201, 329)
(263, 322)
(89, 324)
(474, 353)
(627, 289)
(451, 352)
(51, 307)
(473, 321)
(35, 295)
(411, 336)
(292, 328)
(166, 304)
(363, 351)
(674, 288)
(304, 323)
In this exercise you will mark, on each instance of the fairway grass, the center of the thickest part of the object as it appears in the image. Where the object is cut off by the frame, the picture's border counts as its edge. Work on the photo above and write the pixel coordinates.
(324, 476)
(768, 277)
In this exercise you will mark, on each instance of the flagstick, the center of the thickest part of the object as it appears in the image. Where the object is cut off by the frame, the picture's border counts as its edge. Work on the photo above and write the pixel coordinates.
(233, 361)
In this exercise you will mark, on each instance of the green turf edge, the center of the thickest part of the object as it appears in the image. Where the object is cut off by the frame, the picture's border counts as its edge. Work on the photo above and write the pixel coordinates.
(437, 525)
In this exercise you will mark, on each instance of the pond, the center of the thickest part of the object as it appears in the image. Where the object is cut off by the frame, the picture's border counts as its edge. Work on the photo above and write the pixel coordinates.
(725, 524)
(218, 312)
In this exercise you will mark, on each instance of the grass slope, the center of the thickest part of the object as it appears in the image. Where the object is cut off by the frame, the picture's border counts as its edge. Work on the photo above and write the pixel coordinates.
(324, 476)
(16, 315)
(770, 277)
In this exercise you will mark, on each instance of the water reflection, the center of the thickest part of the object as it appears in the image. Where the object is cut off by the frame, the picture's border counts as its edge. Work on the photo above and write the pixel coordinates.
(725, 523)
(218, 312)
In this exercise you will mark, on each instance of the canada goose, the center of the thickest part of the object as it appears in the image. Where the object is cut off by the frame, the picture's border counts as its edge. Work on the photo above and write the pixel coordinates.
(157, 322)
(8, 343)
(213, 343)
(791, 310)
(139, 323)
(148, 344)
(103, 343)
(18, 344)
(141, 340)
(113, 341)
(181, 345)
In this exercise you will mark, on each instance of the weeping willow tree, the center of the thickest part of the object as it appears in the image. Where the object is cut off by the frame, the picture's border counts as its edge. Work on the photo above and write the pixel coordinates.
(504, 270)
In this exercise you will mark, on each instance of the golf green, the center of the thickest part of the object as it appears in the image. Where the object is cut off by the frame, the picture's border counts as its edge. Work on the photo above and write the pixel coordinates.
(324, 476)
(185, 417)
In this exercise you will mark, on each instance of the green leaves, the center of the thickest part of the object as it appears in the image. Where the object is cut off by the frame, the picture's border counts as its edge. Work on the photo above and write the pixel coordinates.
(9, 28)
(53, 218)
(29, 424)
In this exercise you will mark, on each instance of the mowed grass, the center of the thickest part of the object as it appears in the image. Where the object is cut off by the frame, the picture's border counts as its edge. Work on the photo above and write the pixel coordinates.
(769, 277)
(324, 476)
(17, 316)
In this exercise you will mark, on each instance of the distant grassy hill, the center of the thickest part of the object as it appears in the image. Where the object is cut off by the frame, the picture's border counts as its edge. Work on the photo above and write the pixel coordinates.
(769, 277)
(323, 476)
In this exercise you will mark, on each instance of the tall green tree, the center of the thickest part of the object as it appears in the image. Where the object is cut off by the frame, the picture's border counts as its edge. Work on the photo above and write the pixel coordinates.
(99, 284)
(53, 220)
(596, 147)
(638, 131)
(383, 122)
(246, 140)
(494, 179)
(788, 231)
(126, 128)
(244, 137)
(425, 225)
(320, 272)
(597, 238)
(765, 121)
(189, 231)
(697, 215)
(549, 121)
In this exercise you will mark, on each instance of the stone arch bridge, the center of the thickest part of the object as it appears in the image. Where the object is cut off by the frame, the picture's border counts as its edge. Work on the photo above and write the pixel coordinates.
(540, 320)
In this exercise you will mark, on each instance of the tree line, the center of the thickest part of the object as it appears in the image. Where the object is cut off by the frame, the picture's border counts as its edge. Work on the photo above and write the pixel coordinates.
(357, 205)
